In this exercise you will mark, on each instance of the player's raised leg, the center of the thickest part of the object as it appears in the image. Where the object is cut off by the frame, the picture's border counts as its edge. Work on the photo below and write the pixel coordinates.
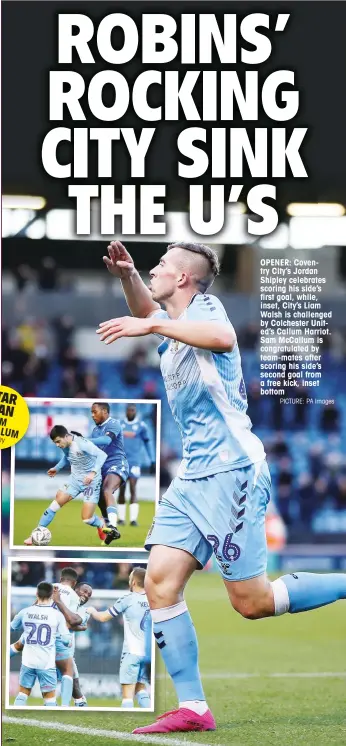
(296, 592)
(168, 571)
(134, 506)
(243, 559)
(122, 504)
(49, 514)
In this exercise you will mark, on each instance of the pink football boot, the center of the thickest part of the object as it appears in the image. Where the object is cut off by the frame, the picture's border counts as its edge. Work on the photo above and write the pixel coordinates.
(180, 720)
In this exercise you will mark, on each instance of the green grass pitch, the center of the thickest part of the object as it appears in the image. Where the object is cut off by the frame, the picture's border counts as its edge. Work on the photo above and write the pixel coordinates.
(69, 530)
(239, 661)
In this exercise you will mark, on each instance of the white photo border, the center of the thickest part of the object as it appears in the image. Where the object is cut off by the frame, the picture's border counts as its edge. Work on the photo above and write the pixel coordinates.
(69, 548)
(60, 560)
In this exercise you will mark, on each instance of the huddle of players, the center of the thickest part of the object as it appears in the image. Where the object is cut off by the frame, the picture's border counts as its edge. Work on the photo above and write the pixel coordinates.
(47, 642)
(100, 465)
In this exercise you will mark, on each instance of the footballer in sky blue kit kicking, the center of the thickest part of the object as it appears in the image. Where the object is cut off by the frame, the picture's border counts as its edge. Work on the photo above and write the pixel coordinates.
(42, 626)
(85, 460)
(134, 664)
(107, 435)
(218, 500)
(136, 436)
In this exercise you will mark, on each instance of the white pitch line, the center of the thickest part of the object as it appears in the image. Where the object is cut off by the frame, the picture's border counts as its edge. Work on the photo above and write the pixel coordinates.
(287, 675)
(116, 735)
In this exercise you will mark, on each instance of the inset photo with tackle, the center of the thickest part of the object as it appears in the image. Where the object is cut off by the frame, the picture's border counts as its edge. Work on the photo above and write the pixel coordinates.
(86, 474)
(79, 635)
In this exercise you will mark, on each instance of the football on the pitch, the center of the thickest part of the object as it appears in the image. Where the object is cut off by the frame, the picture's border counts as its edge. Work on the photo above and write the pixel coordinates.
(41, 536)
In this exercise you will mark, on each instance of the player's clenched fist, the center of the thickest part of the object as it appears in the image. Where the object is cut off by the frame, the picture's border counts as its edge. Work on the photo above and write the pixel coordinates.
(52, 472)
(119, 262)
(127, 326)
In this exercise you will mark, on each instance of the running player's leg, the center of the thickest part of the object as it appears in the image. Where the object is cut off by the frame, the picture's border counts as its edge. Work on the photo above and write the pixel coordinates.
(177, 550)
(302, 591)
(48, 682)
(110, 485)
(249, 589)
(49, 514)
(103, 507)
(134, 506)
(91, 495)
(121, 507)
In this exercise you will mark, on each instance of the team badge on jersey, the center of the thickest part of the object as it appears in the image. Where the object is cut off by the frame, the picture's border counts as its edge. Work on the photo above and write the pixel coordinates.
(174, 346)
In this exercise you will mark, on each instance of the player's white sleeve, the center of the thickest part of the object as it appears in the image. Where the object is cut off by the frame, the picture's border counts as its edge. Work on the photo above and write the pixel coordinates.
(17, 621)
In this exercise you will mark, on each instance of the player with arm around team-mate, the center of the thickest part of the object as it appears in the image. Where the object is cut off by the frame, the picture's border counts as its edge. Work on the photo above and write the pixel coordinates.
(134, 664)
(136, 435)
(217, 502)
(42, 626)
(84, 593)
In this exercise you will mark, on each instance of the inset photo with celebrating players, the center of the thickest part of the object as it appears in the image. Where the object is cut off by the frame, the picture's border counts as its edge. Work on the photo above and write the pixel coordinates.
(79, 635)
(86, 474)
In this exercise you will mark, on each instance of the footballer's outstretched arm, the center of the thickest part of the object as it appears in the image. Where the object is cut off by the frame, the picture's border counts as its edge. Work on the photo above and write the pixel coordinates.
(216, 336)
(138, 297)
(100, 616)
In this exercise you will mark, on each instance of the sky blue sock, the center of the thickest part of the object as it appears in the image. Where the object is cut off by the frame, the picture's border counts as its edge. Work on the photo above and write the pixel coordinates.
(50, 702)
(47, 517)
(127, 704)
(21, 699)
(66, 690)
(112, 515)
(143, 698)
(94, 521)
(309, 590)
(177, 641)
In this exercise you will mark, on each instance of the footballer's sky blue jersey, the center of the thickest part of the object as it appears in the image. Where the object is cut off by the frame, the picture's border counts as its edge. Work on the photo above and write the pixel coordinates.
(83, 457)
(207, 396)
(42, 624)
(136, 434)
(135, 610)
(115, 450)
